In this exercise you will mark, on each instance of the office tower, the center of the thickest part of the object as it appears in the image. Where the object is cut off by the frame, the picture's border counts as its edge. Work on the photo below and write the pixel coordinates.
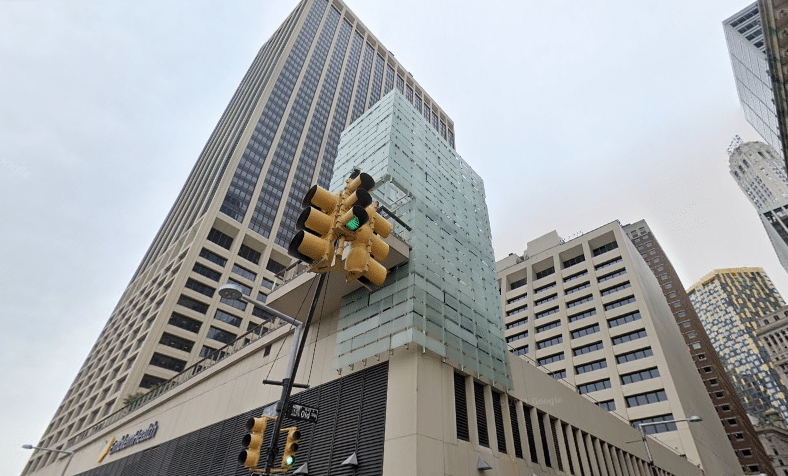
(729, 303)
(591, 313)
(774, 436)
(773, 333)
(773, 19)
(404, 401)
(741, 434)
(234, 217)
(760, 174)
(747, 50)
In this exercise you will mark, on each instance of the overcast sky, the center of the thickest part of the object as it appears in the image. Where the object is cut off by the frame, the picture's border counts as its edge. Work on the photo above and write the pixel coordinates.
(574, 113)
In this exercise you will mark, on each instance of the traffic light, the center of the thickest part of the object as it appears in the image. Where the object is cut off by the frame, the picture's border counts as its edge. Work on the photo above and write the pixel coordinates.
(291, 446)
(367, 250)
(253, 441)
(313, 242)
(328, 216)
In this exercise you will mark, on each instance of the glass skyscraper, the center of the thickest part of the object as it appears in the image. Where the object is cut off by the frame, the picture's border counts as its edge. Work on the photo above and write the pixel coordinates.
(729, 303)
(319, 71)
(744, 35)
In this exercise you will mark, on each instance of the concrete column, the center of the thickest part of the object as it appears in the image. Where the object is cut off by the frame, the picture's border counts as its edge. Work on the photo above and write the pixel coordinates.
(521, 409)
(582, 454)
(507, 425)
(548, 431)
(604, 463)
(537, 437)
(589, 441)
(616, 464)
(559, 428)
(492, 435)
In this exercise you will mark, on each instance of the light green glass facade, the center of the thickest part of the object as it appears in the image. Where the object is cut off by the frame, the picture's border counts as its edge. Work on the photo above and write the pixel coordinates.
(446, 297)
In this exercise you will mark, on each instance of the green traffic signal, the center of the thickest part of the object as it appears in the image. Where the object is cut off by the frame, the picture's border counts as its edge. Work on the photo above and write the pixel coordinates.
(289, 461)
(353, 224)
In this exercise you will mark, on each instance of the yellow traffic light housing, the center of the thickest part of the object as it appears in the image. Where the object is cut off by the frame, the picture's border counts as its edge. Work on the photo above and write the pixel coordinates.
(253, 441)
(291, 446)
(368, 249)
(330, 220)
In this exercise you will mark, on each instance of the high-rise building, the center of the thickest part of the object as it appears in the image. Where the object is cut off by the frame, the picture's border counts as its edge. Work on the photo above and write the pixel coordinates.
(747, 49)
(730, 302)
(319, 71)
(773, 332)
(741, 434)
(760, 173)
(592, 314)
(773, 19)
(409, 387)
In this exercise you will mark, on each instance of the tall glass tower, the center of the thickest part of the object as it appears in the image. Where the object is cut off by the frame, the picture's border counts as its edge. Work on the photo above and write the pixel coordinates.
(729, 303)
(744, 35)
(319, 71)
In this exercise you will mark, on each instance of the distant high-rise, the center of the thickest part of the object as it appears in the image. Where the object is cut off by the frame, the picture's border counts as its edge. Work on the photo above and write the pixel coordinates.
(741, 434)
(235, 215)
(730, 302)
(592, 314)
(747, 50)
(773, 332)
(759, 172)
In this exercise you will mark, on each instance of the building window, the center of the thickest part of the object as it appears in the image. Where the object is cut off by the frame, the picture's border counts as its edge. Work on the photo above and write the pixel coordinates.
(604, 248)
(652, 429)
(593, 329)
(176, 342)
(558, 374)
(213, 257)
(591, 366)
(207, 272)
(551, 358)
(183, 322)
(634, 355)
(549, 326)
(200, 287)
(275, 267)
(574, 261)
(546, 313)
(629, 337)
(619, 303)
(241, 271)
(614, 289)
(549, 342)
(249, 254)
(612, 275)
(518, 284)
(587, 349)
(167, 362)
(625, 319)
(646, 398)
(594, 386)
(517, 337)
(639, 376)
(580, 301)
(545, 273)
(582, 315)
(220, 335)
(220, 238)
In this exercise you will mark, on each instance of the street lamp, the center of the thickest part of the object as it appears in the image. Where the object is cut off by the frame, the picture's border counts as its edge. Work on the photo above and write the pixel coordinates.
(691, 419)
(69, 453)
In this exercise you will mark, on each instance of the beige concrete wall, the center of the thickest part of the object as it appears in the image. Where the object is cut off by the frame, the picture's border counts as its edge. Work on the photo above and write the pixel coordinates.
(421, 436)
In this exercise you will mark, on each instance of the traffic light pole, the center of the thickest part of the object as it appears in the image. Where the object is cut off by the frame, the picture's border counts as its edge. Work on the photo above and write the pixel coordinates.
(299, 342)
